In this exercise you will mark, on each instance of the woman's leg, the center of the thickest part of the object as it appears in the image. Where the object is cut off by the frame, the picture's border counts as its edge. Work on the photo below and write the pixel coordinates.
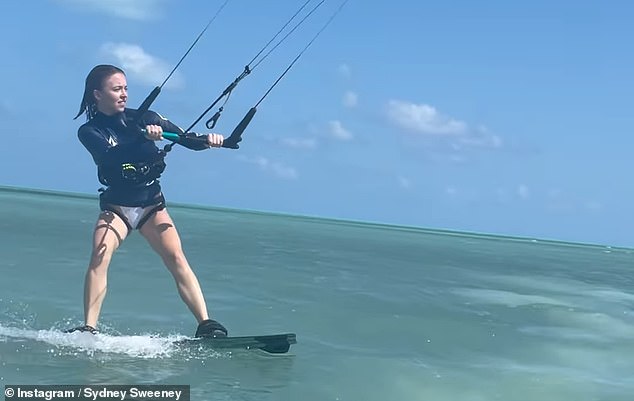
(160, 232)
(110, 231)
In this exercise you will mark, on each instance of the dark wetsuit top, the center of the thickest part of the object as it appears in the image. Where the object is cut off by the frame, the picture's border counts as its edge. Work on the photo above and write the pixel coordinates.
(113, 146)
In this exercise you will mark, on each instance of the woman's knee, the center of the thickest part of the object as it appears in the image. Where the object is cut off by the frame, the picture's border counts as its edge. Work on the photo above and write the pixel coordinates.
(175, 259)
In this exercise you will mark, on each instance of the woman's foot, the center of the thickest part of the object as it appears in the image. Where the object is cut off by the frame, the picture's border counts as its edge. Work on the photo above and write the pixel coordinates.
(211, 328)
(82, 329)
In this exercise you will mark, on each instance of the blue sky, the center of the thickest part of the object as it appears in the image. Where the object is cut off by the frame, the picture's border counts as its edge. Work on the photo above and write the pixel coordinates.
(494, 117)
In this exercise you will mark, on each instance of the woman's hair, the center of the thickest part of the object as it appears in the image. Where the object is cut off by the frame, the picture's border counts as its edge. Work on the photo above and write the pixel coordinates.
(94, 80)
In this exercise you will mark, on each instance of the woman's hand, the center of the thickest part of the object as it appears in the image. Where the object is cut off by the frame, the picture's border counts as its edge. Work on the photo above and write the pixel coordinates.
(215, 140)
(154, 132)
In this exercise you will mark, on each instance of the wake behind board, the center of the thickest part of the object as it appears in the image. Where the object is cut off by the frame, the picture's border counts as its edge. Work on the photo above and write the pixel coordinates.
(273, 344)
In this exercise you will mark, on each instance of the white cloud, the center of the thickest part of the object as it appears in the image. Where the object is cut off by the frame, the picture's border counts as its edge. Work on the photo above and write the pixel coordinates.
(424, 119)
(350, 99)
(130, 9)
(523, 191)
(338, 131)
(560, 201)
(480, 137)
(344, 69)
(555, 193)
(404, 182)
(456, 158)
(505, 195)
(141, 65)
(427, 121)
(300, 143)
(277, 168)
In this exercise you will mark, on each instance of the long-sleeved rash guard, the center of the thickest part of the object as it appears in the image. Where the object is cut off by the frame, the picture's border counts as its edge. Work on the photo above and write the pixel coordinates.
(128, 163)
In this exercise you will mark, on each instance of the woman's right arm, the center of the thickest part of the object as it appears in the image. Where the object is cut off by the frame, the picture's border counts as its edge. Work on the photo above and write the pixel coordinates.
(92, 140)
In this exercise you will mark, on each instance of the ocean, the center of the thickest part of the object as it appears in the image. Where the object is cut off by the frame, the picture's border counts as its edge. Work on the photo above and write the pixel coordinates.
(381, 312)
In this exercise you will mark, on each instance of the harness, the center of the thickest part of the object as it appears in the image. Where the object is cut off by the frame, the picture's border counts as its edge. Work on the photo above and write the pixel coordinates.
(124, 170)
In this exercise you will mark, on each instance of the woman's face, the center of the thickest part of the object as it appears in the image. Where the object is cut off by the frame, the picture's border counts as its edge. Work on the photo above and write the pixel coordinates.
(112, 96)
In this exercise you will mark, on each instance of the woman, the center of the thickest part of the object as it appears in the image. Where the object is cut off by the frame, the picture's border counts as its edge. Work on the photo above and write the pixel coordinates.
(129, 163)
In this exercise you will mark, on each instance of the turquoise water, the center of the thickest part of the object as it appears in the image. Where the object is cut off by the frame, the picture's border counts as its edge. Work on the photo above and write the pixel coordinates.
(380, 312)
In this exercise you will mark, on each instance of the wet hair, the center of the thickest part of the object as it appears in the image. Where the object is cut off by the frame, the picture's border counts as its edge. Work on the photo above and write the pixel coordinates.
(94, 80)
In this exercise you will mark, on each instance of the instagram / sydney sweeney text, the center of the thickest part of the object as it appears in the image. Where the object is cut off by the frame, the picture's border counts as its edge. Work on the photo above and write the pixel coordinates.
(95, 393)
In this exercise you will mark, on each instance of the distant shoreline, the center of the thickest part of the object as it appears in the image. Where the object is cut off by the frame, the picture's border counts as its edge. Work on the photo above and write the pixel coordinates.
(349, 222)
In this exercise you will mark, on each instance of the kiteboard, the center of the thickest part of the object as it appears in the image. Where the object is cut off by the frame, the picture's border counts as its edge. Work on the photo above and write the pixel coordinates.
(273, 343)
